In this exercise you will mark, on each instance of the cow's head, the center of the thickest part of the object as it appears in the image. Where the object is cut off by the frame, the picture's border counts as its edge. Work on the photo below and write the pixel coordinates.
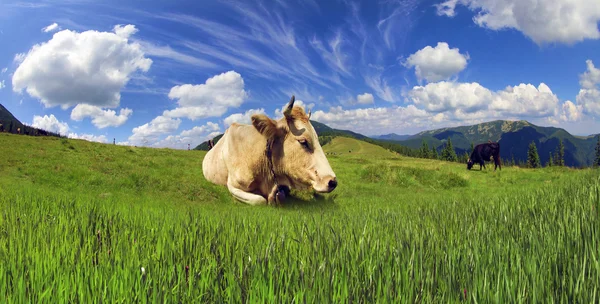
(469, 164)
(296, 150)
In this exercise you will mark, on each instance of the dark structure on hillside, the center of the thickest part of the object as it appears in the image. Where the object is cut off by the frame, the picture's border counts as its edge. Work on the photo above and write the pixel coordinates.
(484, 152)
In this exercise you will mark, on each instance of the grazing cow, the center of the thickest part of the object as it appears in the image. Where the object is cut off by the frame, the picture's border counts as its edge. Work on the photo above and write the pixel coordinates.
(485, 152)
(259, 163)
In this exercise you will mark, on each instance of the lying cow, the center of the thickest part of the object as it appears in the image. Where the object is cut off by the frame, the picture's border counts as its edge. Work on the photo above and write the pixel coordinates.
(259, 163)
(485, 152)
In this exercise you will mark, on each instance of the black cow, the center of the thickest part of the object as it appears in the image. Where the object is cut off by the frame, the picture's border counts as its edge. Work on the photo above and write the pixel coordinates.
(482, 153)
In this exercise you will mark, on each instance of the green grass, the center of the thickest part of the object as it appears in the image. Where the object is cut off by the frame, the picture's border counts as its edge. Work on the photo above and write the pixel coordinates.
(79, 220)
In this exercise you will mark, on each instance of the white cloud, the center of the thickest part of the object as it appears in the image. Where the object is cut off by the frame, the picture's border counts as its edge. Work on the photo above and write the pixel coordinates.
(365, 98)
(100, 118)
(19, 57)
(588, 97)
(4, 70)
(570, 112)
(242, 118)
(446, 8)
(374, 120)
(150, 132)
(445, 96)
(564, 21)
(73, 68)
(50, 28)
(2, 85)
(193, 137)
(464, 98)
(125, 31)
(51, 124)
(89, 137)
(437, 63)
(211, 99)
(526, 100)
(335, 58)
(590, 78)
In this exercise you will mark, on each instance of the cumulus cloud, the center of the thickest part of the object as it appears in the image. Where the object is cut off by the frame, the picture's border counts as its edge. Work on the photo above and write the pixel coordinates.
(150, 132)
(50, 28)
(590, 78)
(193, 137)
(372, 120)
(563, 21)
(50, 123)
(522, 100)
(437, 63)
(73, 68)
(588, 97)
(211, 99)
(242, 118)
(365, 98)
(2, 85)
(89, 137)
(100, 118)
(445, 96)
(570, 111)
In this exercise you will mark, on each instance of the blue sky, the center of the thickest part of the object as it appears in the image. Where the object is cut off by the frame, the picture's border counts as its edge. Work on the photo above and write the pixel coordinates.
(169, 73)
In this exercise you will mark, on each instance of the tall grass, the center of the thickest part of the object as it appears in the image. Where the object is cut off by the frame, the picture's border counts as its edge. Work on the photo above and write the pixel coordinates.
(490, 238)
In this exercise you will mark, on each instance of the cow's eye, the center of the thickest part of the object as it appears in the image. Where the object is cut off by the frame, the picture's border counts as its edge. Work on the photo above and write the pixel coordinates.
(304, 142)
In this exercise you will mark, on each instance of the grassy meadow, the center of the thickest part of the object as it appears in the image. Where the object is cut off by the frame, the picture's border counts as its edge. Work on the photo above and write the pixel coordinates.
(82, 221)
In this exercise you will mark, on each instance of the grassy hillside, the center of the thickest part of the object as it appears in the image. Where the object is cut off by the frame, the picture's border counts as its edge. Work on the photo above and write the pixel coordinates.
(356, 148)
(82, 221)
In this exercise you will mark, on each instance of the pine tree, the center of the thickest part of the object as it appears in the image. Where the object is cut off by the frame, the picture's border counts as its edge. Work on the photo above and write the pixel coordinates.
(533, 159)
(434, 153)
(597, 160)
(561, 154)
(424, 152)
(550, 161)
(472, 148)
(448, 154)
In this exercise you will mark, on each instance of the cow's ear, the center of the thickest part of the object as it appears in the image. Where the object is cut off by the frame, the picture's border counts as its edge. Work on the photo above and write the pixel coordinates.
(265, 125)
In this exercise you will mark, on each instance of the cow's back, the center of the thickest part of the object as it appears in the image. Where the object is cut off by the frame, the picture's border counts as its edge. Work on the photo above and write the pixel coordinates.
(240, 152)
(214, 167)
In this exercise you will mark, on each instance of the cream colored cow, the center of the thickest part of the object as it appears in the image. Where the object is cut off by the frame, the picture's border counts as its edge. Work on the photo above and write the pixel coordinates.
(260, 162)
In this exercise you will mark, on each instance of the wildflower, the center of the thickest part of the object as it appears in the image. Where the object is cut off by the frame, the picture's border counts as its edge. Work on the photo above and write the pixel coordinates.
(143, 271)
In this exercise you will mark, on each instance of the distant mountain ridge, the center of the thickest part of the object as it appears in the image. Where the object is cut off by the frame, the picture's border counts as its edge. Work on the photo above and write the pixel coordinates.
(392, 136)
(514, 138)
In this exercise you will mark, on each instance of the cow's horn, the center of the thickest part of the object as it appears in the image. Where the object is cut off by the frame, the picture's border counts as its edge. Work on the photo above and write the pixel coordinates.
(288, 109)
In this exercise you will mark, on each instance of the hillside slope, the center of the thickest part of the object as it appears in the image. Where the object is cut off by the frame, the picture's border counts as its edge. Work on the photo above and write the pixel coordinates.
(356, 148)
(8, 120)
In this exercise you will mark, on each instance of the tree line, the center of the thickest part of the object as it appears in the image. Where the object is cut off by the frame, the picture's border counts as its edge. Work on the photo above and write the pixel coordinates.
(557, 158)
(15, 128)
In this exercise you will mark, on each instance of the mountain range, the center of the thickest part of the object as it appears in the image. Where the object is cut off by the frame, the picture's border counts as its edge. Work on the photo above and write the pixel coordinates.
(514, 138)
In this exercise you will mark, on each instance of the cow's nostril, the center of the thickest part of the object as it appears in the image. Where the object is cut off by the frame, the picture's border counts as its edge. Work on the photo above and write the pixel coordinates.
(332, 184)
